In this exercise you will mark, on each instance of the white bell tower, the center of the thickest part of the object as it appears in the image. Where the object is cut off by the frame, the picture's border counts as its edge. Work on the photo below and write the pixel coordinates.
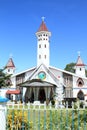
(43, 39)
(80, 67)
(10, 67)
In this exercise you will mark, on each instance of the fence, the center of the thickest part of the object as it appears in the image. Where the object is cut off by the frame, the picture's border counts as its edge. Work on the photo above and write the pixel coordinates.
(41, 117)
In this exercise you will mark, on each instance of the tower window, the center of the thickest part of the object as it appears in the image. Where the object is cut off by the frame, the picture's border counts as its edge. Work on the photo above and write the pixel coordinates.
(80, 69)
(45, 56)
(45, 45)
(39, 56)
(39, 45)
(8, 70)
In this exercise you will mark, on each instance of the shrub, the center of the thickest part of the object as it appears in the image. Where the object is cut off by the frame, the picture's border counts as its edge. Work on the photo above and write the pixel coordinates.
(53, 102)
(17, 120)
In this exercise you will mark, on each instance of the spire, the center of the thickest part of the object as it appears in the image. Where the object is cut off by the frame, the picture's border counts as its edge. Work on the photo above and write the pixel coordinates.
(10, 63)
(42, 26)
(79, 61)
(80, 66)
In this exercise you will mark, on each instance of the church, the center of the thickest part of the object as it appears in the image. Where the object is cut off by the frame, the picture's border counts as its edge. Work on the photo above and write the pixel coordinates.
(44, 81)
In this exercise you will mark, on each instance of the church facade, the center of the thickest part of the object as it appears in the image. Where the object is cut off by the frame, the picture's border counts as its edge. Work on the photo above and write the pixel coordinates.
(44, 81)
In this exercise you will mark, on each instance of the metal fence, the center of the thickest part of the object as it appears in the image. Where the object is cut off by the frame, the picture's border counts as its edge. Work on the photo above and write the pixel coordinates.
(45, 117)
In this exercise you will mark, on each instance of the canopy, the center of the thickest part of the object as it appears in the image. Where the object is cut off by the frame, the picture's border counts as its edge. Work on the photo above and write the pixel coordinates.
(3, 99)
(36, 83)
(13, 92)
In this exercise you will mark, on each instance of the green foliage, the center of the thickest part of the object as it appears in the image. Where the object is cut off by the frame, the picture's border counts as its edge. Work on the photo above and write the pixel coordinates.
(4, 79)
(70, 67)
(53, 102)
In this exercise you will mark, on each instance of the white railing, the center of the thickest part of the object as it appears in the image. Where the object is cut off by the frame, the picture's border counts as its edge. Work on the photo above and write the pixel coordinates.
(38, 105)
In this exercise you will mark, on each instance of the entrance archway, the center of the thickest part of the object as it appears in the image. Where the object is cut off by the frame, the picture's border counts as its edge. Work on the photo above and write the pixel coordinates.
(41, 95)
(80, 95)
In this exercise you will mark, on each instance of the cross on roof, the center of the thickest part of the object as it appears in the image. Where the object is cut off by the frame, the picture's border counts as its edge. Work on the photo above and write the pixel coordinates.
(43, 18)
(79, 53)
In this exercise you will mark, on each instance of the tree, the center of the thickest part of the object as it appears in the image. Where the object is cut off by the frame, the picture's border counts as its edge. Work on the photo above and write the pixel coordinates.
(4, 79)
(70, 67)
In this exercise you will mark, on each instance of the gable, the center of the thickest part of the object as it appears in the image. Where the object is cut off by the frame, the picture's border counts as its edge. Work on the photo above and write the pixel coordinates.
(43, 73)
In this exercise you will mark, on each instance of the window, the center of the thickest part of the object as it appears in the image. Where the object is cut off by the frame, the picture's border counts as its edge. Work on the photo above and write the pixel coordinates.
(8, 70)
(39, 56)
(80, 82)
(39, 45)
(68, 93)
(45, 56)
(45, 45)
(80, 95)
(80, 69)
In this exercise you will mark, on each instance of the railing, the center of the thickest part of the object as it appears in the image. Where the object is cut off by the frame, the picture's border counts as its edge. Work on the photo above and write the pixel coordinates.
(38, 116)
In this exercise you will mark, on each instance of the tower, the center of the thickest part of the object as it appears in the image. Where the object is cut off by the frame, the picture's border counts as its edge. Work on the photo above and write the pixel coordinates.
(80, 67)
(43, 36)
(10, 67)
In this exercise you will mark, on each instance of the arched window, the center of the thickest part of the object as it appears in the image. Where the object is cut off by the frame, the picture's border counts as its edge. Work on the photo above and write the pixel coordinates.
(80, 95)
(80, 82)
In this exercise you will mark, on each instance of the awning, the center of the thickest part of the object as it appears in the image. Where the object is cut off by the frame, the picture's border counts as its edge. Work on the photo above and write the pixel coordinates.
(85, 94)
(3, 99)
(37, 83)
(13, 92)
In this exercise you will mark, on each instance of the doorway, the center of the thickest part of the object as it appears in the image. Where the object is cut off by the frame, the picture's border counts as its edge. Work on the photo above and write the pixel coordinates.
(42, 95)
(80, 95)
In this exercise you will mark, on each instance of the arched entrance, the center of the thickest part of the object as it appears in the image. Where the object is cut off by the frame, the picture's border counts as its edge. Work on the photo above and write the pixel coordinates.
(41, 95)
(80, 95)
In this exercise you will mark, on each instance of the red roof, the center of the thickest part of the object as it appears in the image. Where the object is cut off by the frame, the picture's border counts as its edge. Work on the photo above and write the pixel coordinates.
(13, 92)
(10, 63)
(79, 62)
(85, 94)
(42, 27)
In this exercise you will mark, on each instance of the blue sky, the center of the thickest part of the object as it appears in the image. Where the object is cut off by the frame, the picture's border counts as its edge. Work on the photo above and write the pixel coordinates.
(20, 19)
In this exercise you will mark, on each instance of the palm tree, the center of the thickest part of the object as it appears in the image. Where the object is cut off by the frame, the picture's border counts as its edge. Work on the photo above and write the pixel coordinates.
(4, 79)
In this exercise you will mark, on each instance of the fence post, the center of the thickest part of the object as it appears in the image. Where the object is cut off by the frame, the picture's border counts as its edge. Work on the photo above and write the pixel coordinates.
(3, 113)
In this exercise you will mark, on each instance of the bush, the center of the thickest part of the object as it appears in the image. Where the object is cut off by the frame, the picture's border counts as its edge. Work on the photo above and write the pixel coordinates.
(17, 120)
(53, 102)
(81, 104)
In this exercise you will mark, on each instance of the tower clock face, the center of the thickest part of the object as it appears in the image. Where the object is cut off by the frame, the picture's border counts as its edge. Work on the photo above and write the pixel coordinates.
(42, 75)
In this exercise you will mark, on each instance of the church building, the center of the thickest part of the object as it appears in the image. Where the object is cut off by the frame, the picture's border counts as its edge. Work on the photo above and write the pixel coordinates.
(44, 81)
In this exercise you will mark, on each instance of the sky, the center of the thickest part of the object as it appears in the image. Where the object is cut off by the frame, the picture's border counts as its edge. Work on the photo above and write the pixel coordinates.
(20, 20)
